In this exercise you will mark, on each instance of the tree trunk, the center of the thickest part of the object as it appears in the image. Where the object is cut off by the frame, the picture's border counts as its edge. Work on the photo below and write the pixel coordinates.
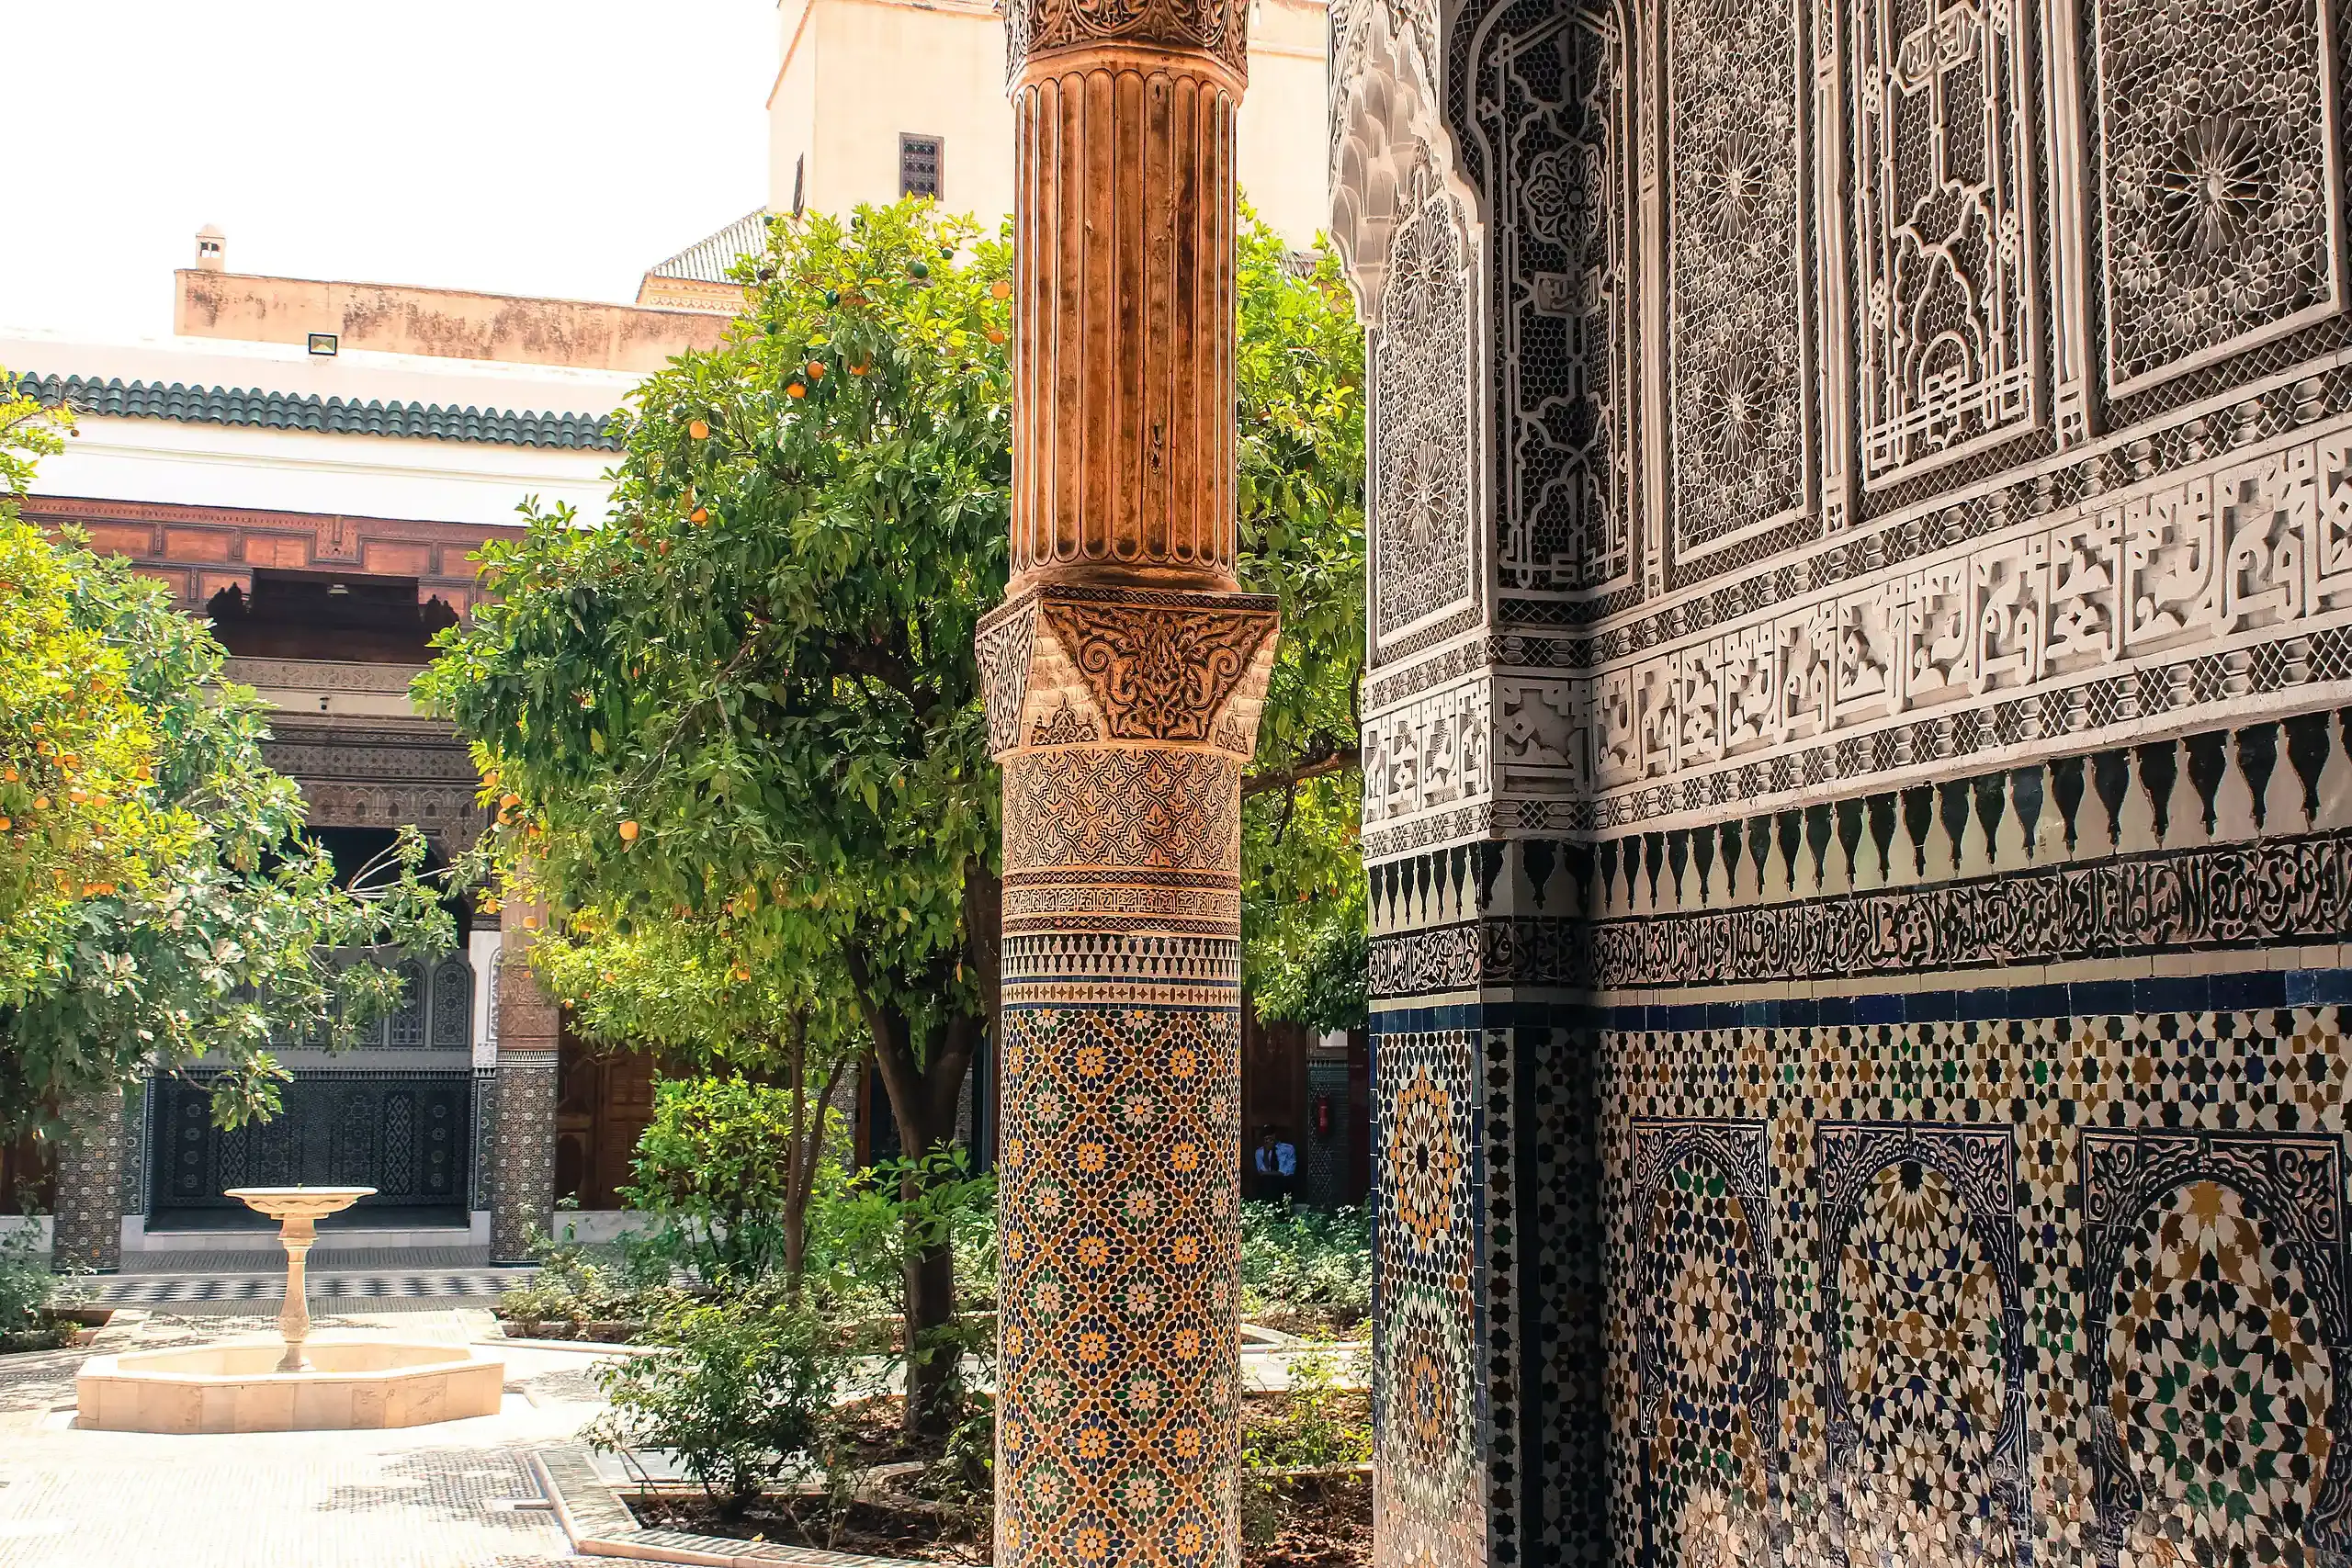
(795, 1204)
(807, 1150)
(922, 1091)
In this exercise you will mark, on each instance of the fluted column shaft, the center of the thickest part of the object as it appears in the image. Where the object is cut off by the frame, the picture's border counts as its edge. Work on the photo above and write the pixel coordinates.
(1122, 403)
(1124, 674)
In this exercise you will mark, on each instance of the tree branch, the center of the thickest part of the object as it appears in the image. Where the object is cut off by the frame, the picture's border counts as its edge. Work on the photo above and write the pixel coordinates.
(867, 658)
(1320, 762)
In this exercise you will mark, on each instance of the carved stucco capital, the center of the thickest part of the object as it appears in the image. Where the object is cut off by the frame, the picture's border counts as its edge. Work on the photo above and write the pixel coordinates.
(1069, 664)
(1038, 32)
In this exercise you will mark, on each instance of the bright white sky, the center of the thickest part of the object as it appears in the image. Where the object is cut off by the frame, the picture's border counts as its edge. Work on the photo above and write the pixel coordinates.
(543, 147)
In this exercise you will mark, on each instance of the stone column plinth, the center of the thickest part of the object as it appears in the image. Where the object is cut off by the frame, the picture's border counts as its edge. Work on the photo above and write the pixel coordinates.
(1124, 674)
(522, 1143)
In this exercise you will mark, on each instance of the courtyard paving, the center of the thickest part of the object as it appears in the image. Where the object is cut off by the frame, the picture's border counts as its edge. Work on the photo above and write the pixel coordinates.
(435, 1496)
(440, 1496)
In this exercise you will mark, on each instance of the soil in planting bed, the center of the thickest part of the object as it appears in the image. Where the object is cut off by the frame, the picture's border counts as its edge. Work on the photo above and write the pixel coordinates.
(1317, 1521)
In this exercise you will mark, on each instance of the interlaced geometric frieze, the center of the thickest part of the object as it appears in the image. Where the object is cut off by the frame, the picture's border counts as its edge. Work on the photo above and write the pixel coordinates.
(1431, 753)
(1122, 806)
(2184, 593)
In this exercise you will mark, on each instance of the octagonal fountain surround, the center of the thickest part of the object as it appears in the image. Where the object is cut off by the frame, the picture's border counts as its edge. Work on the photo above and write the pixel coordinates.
(299, 1384)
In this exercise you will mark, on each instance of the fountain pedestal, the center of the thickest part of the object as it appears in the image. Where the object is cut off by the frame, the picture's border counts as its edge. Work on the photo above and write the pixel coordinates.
(297, 1210)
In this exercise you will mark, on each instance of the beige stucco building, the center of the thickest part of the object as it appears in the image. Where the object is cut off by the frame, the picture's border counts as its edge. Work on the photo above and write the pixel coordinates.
(875, 97)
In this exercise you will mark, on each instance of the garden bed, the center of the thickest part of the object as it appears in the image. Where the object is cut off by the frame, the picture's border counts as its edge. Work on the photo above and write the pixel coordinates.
(58, 1330)
(1319, 1521)
(601, 1331)
(1318, 1517)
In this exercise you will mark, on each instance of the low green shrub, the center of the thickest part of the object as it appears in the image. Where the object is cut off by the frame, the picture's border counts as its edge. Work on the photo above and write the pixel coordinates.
(25, 1281)
(1306, 1268)
(741, 1392)
(627, 1281)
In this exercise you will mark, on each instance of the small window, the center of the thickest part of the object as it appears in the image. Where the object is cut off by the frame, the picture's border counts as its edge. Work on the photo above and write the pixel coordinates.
(799, 168)
(919, 165)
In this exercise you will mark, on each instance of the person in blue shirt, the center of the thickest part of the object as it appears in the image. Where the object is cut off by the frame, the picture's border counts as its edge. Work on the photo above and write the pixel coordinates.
(1277, 1164)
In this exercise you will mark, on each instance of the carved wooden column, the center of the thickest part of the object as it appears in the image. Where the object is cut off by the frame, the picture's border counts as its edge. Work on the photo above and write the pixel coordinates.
(522, 1148)
(1124, 675)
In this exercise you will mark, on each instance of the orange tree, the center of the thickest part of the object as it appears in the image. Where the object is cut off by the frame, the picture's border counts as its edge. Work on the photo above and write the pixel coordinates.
(750, 696)
(729, 1003)
(159, 904)
(1300, 375)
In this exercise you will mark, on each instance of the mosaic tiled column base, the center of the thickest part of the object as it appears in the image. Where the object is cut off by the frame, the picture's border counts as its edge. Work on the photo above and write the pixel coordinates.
(522, 1151)
(1118, 1439)
(88, 1237)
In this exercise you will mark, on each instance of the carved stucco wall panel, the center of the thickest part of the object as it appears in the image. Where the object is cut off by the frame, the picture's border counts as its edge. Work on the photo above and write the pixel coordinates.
(1553, 140)
(2220, 200)
(1738, 354)
(1906, 697)
(1949, 313)
(1407, 228)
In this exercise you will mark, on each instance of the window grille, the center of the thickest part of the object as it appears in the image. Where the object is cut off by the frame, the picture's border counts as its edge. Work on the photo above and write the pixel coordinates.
(919, 158)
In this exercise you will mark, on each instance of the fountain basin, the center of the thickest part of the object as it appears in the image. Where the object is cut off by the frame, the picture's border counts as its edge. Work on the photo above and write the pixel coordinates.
(351, 1384)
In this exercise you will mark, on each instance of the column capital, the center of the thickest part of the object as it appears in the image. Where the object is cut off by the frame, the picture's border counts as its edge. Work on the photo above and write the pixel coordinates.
(1037, 32)
(1066, 664)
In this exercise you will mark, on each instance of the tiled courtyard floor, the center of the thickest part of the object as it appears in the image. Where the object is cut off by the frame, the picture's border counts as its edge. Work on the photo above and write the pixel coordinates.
(422, 1498)
(433, 1497)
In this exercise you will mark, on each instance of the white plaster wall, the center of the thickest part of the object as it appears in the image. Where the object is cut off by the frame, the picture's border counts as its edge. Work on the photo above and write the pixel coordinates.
(882, 68)
(855, 73)
(1280, 138)
(43, 1226)
(482, 952)
(595, 1225)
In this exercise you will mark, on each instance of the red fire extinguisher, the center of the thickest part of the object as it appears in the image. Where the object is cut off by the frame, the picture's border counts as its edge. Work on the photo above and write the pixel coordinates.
(1322, 1115)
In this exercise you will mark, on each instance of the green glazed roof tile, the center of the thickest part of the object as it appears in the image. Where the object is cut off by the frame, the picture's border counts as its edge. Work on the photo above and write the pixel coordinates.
(118, 399)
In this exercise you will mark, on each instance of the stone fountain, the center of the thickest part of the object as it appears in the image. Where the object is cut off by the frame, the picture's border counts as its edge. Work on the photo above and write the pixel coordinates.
(299, 1384)
(297, 1210)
